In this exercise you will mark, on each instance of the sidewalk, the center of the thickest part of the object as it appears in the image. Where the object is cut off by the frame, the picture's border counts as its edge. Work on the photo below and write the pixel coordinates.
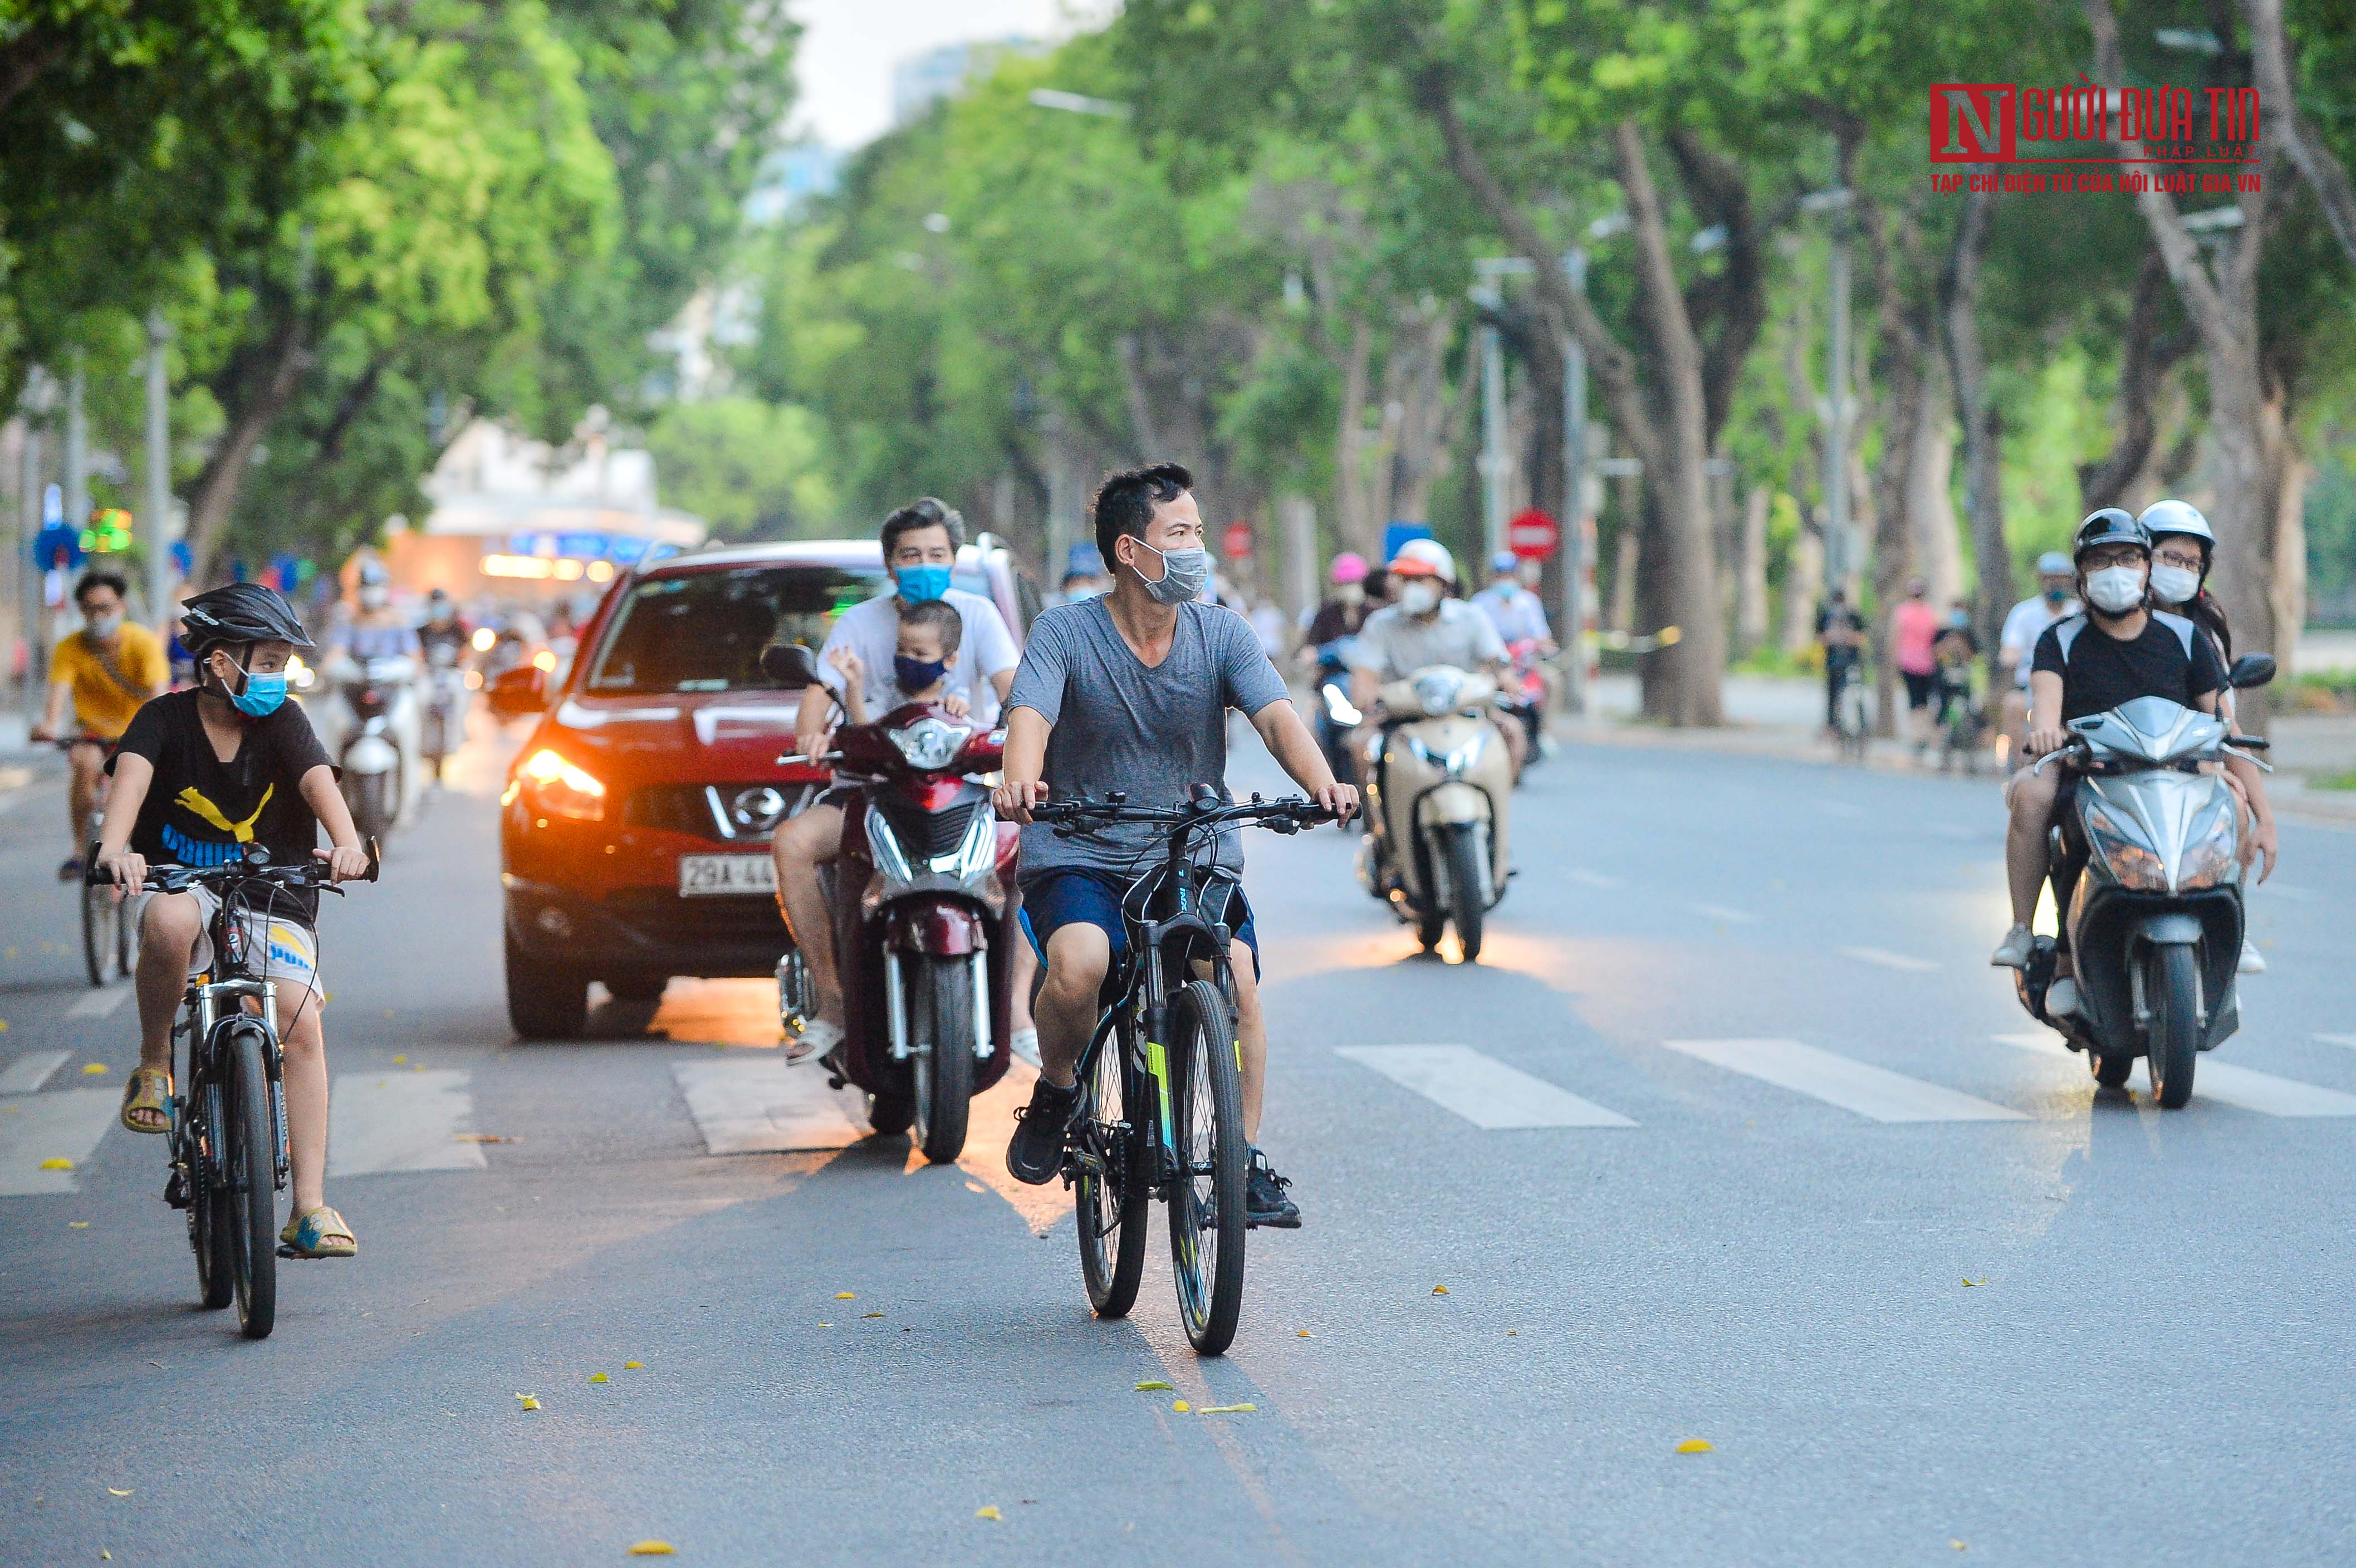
(1783, 717)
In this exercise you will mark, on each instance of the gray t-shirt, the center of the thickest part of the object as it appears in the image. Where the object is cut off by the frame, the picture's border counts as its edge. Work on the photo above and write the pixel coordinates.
(1155, 733)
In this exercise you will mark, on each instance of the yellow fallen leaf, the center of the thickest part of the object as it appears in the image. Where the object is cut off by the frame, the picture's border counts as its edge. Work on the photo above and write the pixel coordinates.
(652, 1548)
(1181, 1406)
(1302, 1334)
(1227, 1409)
(399, 1061)
(845, 1296)
(105, 1556)
(416, 1067)
(1695, 1446)
(1154, 1383)
(826, 1326)
(871, 1315)
(57, 1162)
(77, 1224)
(634, 1366)
(1440, 1290)
(94, 1069)
(599, 1378)
(1958, 1545)
(528, 1401)
(1975, 1284)
(119, 1491)
(987, 1511)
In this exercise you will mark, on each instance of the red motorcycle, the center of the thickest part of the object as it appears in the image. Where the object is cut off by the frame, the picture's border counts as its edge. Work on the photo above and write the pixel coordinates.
(922, 896)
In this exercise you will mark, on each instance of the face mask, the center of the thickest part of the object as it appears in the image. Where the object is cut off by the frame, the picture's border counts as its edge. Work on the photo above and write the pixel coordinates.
(922, 585)
(917, 674)
(2174, 585)
(105, 626)
(372, 598)
(1420, 598)
(2055, 596)
(1184, 572)
(1351, 594)
(2116, 590)
(1960, 621)
(262, 695)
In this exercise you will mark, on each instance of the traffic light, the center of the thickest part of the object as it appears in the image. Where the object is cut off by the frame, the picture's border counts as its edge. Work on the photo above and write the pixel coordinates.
(109, 533)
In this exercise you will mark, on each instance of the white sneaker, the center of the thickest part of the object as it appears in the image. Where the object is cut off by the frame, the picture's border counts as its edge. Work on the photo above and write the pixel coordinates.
(1026, 1046)
(2061, 998)
(817, 1038)
(2253, 960)
(2014, 950)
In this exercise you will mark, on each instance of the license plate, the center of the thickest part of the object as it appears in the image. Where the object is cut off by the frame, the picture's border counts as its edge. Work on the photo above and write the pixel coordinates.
(716, 875)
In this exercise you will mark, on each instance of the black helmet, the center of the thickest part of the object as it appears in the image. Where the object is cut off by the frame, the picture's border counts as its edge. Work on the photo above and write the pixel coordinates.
(240, 613)
(2112, 525)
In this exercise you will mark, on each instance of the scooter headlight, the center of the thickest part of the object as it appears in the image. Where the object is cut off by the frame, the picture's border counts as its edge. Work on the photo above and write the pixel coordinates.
(2131, 861)
(2211, 855)
(1464, 756)
(1438, 691)
(1338, 706)
(929, 743)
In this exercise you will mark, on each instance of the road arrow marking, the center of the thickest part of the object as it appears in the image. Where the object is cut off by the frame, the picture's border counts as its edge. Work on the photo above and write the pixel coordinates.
(63, 1126)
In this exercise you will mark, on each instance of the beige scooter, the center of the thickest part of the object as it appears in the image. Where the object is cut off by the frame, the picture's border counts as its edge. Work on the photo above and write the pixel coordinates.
(1436, 802)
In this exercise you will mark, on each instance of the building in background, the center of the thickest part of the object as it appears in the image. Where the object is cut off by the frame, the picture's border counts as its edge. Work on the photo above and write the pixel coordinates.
(789, 177)
(923, 79)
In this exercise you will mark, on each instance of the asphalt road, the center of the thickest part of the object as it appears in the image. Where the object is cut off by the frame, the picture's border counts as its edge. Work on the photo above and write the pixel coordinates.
(1964, 1308)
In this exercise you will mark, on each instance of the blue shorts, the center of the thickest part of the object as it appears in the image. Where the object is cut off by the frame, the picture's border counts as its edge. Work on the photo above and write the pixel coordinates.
(1055, 899)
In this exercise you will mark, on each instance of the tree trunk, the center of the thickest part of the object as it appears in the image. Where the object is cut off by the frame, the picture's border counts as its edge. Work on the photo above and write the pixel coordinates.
(1349, 441)
(260, 385)
(1431, 421)
(1901, 357)
(1929, 496)
(1751, 626)
(25, 58)
(1803, 584)
(2144, 360)
(1975, 410)
(2324, 175)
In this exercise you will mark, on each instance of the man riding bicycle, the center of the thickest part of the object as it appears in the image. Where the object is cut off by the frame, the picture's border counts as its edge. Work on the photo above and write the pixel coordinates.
(101, 673)
(1130, 692)
(199, 776)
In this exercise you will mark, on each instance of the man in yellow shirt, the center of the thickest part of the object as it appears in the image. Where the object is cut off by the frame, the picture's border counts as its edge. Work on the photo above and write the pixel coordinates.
(105, 671)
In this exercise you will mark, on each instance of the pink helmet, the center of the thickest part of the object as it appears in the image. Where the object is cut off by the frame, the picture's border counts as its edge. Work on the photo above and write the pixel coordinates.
(1349, 567)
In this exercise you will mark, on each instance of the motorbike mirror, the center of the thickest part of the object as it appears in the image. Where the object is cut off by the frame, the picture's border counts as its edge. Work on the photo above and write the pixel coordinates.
(519, 692)
(789, 667)
(2251, 669)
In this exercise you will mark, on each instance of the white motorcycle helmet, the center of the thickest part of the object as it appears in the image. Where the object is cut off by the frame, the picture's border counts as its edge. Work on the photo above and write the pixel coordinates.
(1429, 553)
(2174, 586)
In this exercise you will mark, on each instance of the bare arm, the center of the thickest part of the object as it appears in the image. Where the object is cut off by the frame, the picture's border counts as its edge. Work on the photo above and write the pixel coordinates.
(1027, 730)
(133, 775)
(2045, 731)
(1297, 752)
(813, 721)
(1004, 682)
(350, 857)
(53, 716)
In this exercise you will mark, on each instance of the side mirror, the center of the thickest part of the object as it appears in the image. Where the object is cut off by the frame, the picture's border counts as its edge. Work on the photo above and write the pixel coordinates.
(789, 666)
(520, 692)
(2251, 669)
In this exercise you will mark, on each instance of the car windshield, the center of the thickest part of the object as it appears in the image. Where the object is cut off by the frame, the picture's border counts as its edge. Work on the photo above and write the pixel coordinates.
(703, 631)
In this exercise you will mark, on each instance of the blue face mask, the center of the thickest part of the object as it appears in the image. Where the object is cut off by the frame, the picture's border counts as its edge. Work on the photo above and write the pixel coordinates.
(917, 674)
(262, 694)
(920, 585)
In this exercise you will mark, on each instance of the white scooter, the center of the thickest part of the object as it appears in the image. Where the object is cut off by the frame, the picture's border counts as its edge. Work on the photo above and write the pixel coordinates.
(365, 714)
(445, 724)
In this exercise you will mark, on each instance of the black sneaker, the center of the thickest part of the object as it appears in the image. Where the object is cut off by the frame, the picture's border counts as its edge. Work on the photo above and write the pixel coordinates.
(1035, 1153)
(1264, 1199)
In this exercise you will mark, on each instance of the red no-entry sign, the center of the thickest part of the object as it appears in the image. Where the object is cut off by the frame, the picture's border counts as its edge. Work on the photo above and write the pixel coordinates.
(1238, 541)
(1533, 535)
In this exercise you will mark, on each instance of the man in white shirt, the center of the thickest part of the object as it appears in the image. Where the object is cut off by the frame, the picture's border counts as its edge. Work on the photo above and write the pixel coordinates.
(920, 546)
(1421, 627)
(2022, 628)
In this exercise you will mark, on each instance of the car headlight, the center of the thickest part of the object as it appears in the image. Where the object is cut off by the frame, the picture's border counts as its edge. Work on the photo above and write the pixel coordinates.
(2212, 857)
(558, 788)
(929, 743)
(2130, 860)
(1439, 689)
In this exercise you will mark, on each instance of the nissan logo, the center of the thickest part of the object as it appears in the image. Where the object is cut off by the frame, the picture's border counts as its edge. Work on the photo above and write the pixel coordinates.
(757, 808)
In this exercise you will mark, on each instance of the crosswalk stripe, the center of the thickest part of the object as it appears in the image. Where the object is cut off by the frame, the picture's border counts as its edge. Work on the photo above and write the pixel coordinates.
(1480, 1089)
(66, 1124)
(1872, 1092)
(28, 1072)
(1596, 879)
(2229, 1084)
(2348, 1040)
(1732, 917)
(100, 1003)
(407, 1121)
(1889, 960)
(761, 1106)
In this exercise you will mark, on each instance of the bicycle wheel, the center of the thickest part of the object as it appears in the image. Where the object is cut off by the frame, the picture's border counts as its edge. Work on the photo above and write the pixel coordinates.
(1108, 1197)
(209, 1220)
(250, 1161)
(1206, 1205)
(99, 920)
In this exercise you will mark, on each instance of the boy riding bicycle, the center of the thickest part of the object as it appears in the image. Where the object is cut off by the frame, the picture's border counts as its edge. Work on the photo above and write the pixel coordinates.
(99, 675)
(199, 776)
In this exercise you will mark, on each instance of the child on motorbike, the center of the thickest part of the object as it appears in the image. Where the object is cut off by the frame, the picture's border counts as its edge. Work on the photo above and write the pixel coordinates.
(930, 633)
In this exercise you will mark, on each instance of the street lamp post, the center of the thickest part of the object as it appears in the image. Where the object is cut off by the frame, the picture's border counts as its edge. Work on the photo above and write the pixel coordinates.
(1574, 499)
(159, 478)
(1496, 463)
(1839, 552)
(77, 475)
(39, 393)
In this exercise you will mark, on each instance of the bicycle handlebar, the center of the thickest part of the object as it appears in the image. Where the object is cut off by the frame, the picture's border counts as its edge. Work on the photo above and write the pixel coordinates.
(168, 879)
(1289, 815)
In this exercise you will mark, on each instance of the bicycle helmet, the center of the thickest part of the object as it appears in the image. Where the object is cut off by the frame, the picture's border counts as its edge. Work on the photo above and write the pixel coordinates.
(1349, 567)
(241, 613)
(1504, 560)
(2053, 564)
(1424, 558)
(2178, 517)
(2112, 525)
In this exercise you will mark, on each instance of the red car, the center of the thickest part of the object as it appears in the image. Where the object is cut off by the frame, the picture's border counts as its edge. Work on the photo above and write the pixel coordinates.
(633, 831)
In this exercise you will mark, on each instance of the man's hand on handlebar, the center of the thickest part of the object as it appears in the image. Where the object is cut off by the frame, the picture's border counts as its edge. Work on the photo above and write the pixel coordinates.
(2042, 742)
(1015, 799)
(345, 863)
(1342, 799)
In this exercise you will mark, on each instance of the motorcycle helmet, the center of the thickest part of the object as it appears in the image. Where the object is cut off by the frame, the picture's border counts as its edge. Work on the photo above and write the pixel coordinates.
(2053, 564)
(2112, 525)
(2178, 517)
(1424, 558)
(1502, 562)
(1349, 567)
(241, 613)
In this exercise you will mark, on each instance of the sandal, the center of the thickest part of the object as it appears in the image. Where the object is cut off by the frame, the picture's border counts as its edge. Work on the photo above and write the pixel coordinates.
(321, 1234)
(147, 1090)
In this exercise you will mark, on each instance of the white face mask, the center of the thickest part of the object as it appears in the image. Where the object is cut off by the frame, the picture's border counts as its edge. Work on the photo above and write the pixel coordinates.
(103, 626)
(2174, 585)
(1420, 598)
(2116, 590)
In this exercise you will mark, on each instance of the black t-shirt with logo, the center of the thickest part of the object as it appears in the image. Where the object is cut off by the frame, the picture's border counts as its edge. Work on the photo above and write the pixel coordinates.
(2169, 659)
(200, 811)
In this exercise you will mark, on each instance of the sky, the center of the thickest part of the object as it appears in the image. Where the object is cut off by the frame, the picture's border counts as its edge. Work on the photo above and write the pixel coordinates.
(848, 46)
